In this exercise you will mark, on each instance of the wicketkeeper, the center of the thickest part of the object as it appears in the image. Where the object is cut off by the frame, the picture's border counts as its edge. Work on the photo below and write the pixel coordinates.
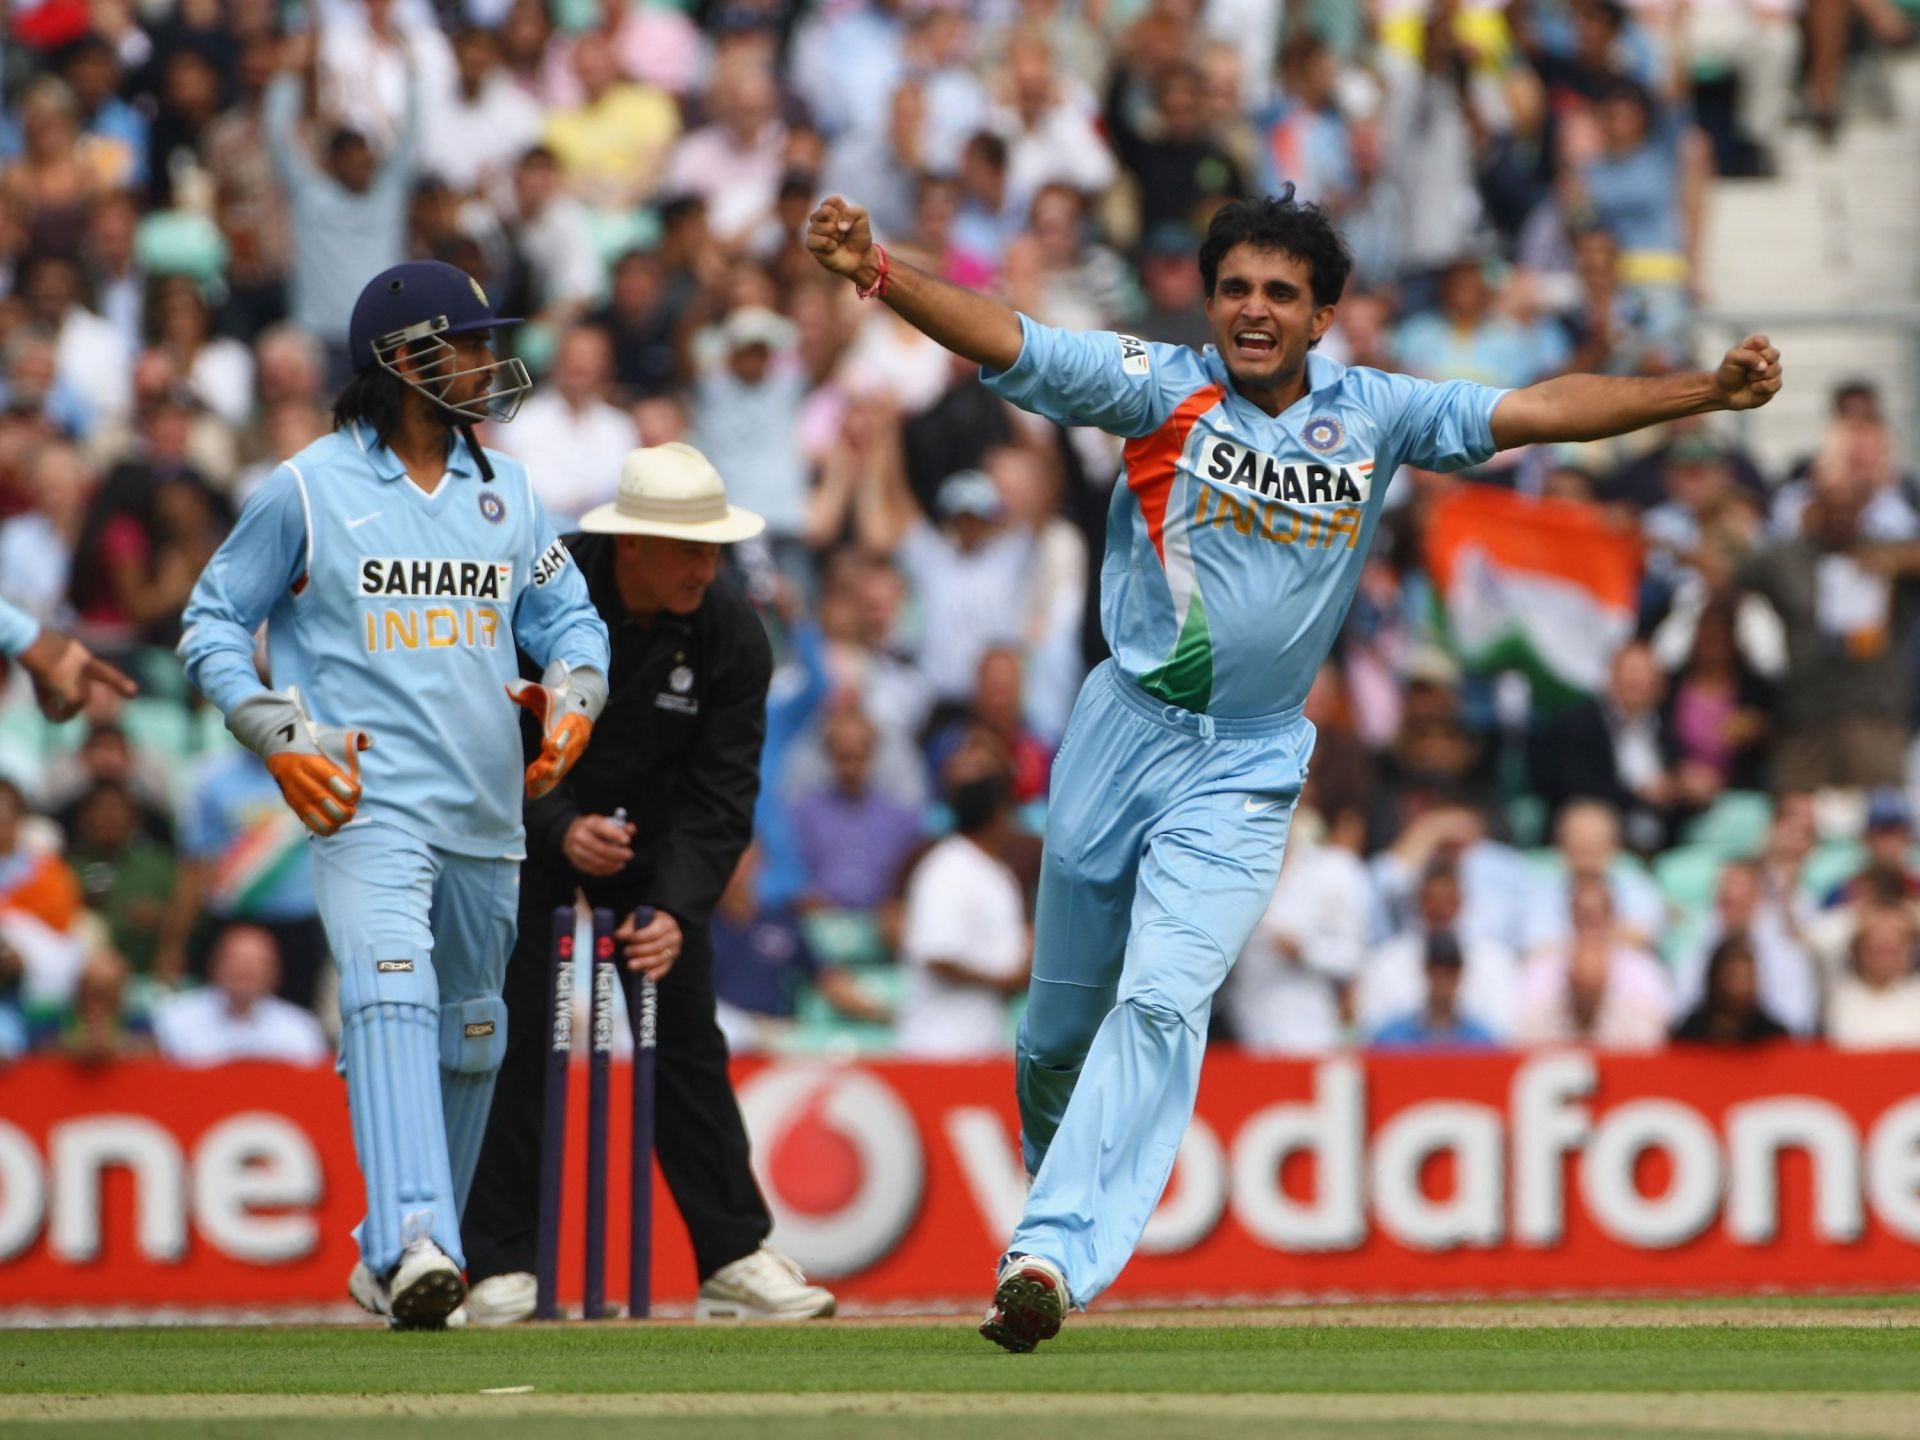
(396, 565)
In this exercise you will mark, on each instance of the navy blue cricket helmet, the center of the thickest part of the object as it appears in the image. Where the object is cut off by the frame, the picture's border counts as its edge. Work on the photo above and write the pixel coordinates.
(420, 302)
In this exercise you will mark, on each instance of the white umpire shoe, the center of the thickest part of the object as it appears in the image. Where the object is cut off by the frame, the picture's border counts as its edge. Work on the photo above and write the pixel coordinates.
(425, 1289)
(1030, 1301)
(765, 1285)
(502, 1299)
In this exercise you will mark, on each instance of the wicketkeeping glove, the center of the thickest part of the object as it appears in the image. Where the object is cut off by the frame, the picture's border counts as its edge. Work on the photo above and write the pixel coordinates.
(316, 766)
(566, 702)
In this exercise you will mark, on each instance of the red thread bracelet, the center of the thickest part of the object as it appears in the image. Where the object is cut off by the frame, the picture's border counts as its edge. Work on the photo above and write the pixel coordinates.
(877, 290)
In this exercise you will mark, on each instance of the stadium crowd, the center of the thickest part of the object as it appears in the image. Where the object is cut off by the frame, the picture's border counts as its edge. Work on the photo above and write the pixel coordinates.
(1711, 844)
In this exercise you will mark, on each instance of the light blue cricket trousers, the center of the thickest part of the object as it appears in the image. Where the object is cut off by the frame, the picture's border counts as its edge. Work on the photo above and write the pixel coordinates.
(1164, 839)
(421, 936)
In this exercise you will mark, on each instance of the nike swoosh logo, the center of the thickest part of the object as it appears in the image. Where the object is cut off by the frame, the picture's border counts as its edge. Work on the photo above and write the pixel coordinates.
(356, 524)
(1253, 809)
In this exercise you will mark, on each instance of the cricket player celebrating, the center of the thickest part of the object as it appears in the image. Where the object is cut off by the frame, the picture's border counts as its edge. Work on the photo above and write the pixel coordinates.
(1254, 475)
(396, 565)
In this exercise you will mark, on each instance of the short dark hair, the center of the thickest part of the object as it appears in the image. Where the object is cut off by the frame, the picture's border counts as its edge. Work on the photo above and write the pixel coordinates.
(1279, 222)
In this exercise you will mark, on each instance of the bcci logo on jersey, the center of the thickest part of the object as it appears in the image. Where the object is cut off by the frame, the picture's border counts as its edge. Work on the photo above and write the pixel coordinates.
(484, 584)
(1315, 504)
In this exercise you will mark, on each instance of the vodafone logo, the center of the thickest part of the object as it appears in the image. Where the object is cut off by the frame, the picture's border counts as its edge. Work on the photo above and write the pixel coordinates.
(838, 1157)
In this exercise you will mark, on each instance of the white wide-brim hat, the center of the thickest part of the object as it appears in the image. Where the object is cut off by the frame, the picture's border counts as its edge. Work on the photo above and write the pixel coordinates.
(672, 490)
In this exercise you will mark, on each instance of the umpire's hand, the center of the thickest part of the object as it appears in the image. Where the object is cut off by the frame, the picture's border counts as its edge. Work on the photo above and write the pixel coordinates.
(651, 948)
(598, 844)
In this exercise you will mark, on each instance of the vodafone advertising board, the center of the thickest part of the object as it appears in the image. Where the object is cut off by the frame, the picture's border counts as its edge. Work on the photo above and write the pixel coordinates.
(1561, 1172)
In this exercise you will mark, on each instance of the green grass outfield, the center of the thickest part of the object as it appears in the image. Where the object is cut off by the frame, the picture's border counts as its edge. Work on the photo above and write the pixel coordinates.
(1573, 1372)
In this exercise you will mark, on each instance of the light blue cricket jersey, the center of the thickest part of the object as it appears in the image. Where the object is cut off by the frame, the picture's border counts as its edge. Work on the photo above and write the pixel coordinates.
(1235, 543)
(396, 612)
(18, 629)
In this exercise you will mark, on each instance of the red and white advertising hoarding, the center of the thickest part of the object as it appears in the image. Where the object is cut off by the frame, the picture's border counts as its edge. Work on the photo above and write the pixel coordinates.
(1552, 1173)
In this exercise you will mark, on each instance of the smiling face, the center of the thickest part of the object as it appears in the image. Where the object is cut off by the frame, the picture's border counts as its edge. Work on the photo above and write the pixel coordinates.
(1264, 319)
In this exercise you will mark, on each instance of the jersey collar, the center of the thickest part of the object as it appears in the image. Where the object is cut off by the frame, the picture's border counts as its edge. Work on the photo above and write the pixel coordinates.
(1323, 373)
(389, 467)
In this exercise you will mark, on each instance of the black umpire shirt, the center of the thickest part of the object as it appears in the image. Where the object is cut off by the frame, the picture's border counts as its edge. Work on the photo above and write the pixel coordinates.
(678, 746)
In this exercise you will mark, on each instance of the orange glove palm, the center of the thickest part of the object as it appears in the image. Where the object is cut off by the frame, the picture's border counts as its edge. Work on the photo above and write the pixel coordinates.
(565, 706)
(317, 767)
(320, 792)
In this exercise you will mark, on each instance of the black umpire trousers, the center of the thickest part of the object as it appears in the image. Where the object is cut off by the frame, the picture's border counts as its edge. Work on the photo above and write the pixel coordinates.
(699, 1138)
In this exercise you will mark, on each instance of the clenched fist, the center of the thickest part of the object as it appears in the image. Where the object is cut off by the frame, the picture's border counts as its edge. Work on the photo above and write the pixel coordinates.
(841, 239)
(1750, 375)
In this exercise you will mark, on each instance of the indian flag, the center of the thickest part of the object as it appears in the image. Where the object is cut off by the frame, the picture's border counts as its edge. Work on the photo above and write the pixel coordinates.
(1544, 586)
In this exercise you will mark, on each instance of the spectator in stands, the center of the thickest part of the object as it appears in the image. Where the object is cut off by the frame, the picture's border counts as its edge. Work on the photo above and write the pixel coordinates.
(235, 1015)
(102, 1025)
(1635, 169)
(1170, 286)
(125, 876)
(735, 162)
(961, 572)
(1391, 984)
(747, 398)
(58, 173)
(474, 132)
(34, 882)
(1055, 275)
(1889, 841)
(1438, 1024)
(966, 945)
(762, 964)
(116, 131)
(1858, 448)
(1048, 124)
(348, 216)
(217, 371)
(1731, 1011)
(558, 264)
(189, 101)
(997, 707)
(114, 272)
(36, 546)
(571, 439)
(1465, 338)
(247, 195)
(639, 322)
(860, 607)
(1054, 610)
(1443, 825)
(1588, 835)
(1303, 136)
(1597, 986)
(1283, 994)
(1876, 1005)
(613, 143)
(1181, 172)
(1849, 609)
(1617, 748)
(852, 838)
(1785, 980)
(1717, 720)
(90, 358)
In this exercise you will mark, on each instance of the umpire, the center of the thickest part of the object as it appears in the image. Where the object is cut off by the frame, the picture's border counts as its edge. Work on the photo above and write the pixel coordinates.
(678, 748)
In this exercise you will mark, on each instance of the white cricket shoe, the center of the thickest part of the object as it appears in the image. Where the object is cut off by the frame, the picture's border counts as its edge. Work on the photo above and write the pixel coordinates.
(1030, 1301)
(367, 1291)
(426, 1288)
(765, 1285)
(502, 1299)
